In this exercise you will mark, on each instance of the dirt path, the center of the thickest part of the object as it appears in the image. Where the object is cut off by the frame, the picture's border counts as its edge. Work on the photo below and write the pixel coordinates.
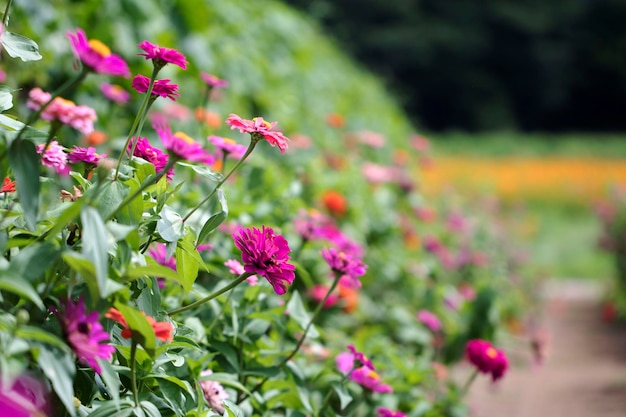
(584, 374)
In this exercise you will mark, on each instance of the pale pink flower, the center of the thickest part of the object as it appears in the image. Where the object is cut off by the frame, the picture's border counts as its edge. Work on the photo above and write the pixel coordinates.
(54, 157)
(214, 392)
(429, 319)
(212, 80)
(115, 93)
(235, 267)
(259, 129)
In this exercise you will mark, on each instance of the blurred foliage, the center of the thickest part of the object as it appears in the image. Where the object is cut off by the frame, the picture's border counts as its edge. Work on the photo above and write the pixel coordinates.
(533, 65)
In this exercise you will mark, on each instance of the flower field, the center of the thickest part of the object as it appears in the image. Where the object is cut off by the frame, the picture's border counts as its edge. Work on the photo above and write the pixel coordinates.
(225, 219)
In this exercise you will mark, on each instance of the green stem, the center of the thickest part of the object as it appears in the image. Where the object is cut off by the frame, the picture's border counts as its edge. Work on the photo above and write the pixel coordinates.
(133, 372)
(209, 297)
(219, 315)
(223, 180)
(139, 119)
(330, 393)
(468, 383)
(5, 17)
(293, 353)
(145, 184)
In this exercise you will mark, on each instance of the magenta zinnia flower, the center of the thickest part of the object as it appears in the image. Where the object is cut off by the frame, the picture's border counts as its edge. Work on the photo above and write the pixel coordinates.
(231, 148)
(212, 80)
(259, 129)
(429, 320)
(161, 56)
(369, 379)
(87, 155)
(25, 396)
(86, 335)
(158, 251)
(182, 146)
(97, 56)
(349, 267)
(267, 254)
(155, 156)
(486, 358)
(347, 361)
(54, 157)
(114, 93)
(161, 88)
(385, 412)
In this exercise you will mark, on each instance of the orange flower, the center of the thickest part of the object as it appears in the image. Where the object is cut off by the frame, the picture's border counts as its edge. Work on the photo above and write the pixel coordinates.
(349, 297)
(95, 138)
(162, 329)
(336, 120)
(212, 119)
(335, 203)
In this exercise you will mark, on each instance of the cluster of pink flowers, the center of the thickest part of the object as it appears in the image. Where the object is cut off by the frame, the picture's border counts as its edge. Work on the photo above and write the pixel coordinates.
(486, 358)
(67, 112)
(361, 370)
(265, 253)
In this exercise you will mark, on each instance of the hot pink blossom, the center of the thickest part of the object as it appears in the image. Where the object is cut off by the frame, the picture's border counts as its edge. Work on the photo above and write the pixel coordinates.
(161, 56)
(429, 319)
(181, 146)
(230, 148)
(345, 264)
(385, 412)
(267, 254)
(24, 396)
(369, 379)
(212, 80)
(318, 292)
(87, 155)
(114, 93)
(161, 88)
(86, 335)
(158, 251)
(259, 129)
(96, 56)
(155, 156)
(486, 358)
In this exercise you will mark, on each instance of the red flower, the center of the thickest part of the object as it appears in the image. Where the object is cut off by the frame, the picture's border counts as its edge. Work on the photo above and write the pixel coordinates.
(162, 329)
(335, 203)
(8, 186)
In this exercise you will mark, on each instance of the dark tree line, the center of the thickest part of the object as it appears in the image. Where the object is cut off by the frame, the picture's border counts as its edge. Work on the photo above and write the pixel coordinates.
(556, 65)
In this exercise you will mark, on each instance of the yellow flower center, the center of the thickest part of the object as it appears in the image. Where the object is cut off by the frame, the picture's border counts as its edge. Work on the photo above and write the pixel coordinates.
(373, 375)
(229, 140)
(117, 89)
(99, 47)
(184, 137)
(265, 122)
(491, 352)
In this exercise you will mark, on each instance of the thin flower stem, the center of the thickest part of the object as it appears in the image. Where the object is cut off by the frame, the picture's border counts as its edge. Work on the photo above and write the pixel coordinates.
(5, 17)
(468, 383)
(209, 297)
(145, 184)
(139, 119)
(223, 180)
(330, 393)
(61, 90)
(293, 353)
(219, 315)
(133, 372)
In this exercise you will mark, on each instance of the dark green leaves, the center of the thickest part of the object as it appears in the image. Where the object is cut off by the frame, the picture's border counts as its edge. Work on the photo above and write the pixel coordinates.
(24, 161)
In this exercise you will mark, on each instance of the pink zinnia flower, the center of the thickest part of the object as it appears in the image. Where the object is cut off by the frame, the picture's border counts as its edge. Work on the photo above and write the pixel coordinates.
(235, 267)
(318, 292)
(231, 148)
(259, 129)
(114, 93)
(97, 56)
(369, 379)
(347, 361)
(266, 254)
(486, 358)
(214, 392)
(349, 267)
(430, 320)
(161, 88)
(158, 251)
(181, 146)
(385, 412)
(155, 156)
(212, 80)
(161, 56)
(37, 98)
(25, 396)
(86, 335)
(87, 155)
(67, 112)
(54, 157)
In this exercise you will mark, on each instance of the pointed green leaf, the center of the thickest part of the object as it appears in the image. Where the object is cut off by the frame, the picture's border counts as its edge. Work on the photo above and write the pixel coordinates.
(298, 312)
(187, 267)
(6, 98)
(96, 245)
(204, 171)
(342, 393)
(216, 219)
(24, 162)
(142, 331)
(11, 282)
(170, 226)
(59, 368)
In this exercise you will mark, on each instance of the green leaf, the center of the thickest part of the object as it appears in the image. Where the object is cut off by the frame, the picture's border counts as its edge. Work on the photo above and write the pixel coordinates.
(111, 409)
(153, 269)
(111, 380)
(232, 410)
(11, 124)
(170, 226)
(6, 98)
(342, 393)
(142, 331)
(68, 215)
(298, 312)
(39, 335)
(24, 161)
(108, 197)
(216, 219)
(35, 259)
(59, 367)
(96, 245)
(204, 171)
(187, 267)
(150, 409)
(18, 46)
(11, 282)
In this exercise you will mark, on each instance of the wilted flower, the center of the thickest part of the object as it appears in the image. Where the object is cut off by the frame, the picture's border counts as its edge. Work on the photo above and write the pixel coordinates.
(54, 157)
(162, 88)
(486, 358)
(267, 254)
(115, 93)
(163, 330)
(345, 264)
(429, 319)
(86, 335)
(161, 56)
(214, 392)
(259, 129)
(212, 80)
(96, 56)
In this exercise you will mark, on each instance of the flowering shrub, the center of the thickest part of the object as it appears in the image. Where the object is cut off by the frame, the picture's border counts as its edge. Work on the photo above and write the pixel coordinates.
(193, 277)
